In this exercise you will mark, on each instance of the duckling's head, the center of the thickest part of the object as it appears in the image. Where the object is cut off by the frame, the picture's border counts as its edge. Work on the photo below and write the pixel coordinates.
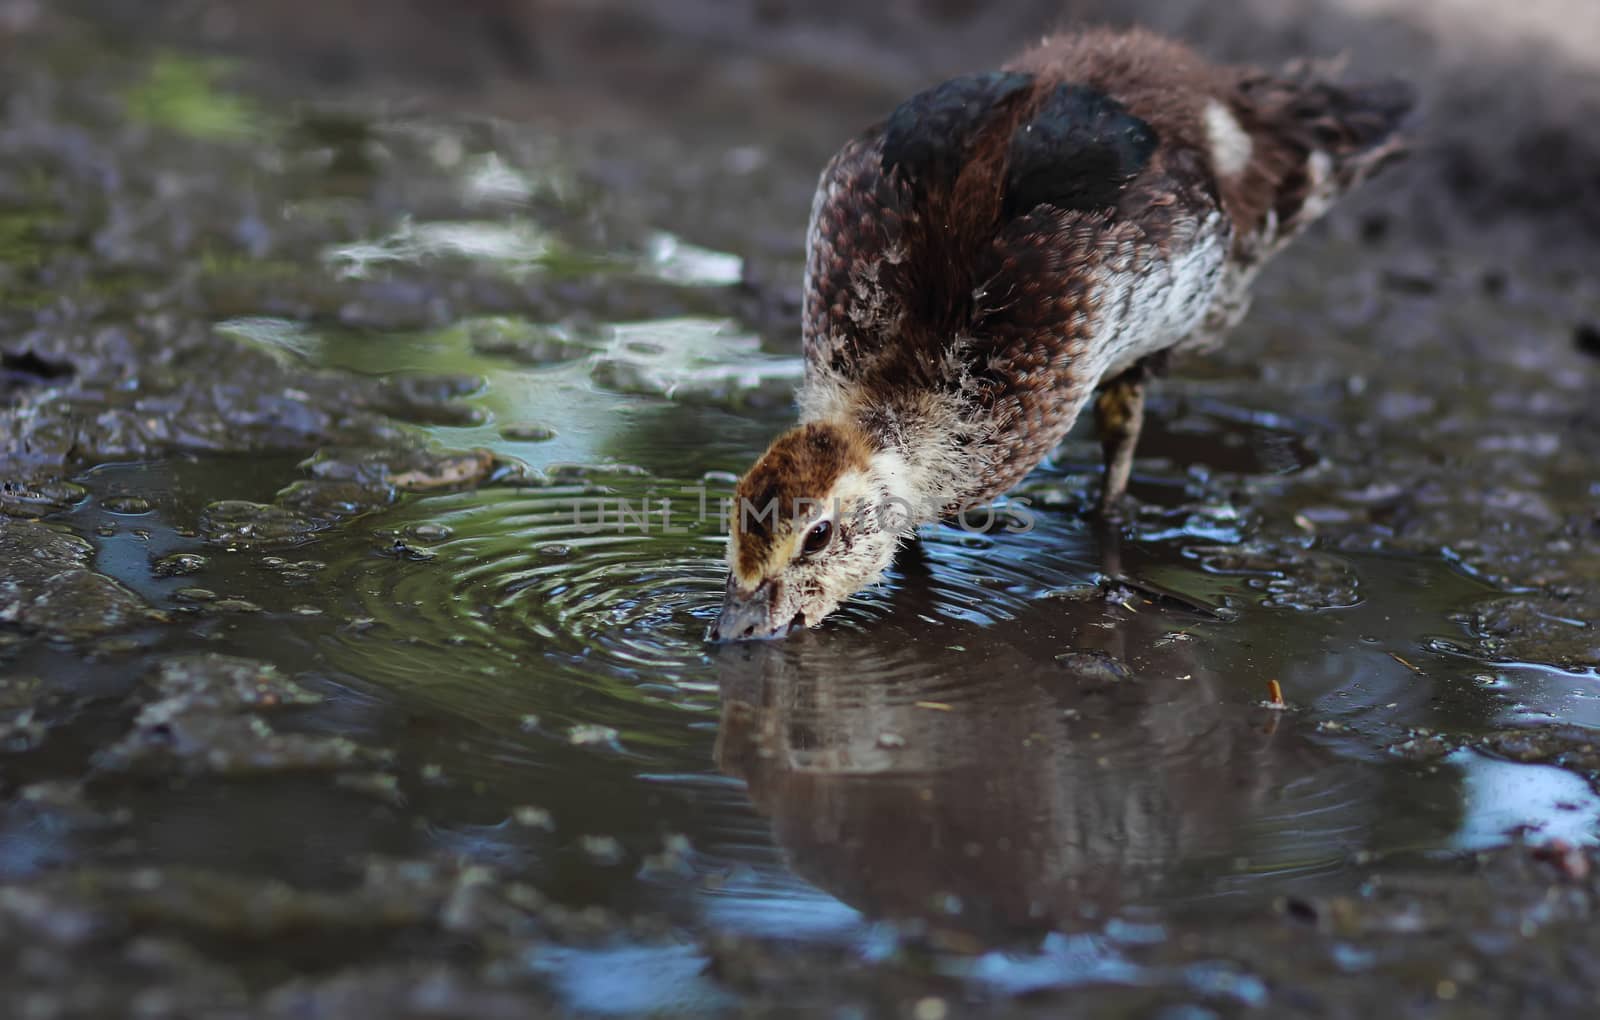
(814, 522)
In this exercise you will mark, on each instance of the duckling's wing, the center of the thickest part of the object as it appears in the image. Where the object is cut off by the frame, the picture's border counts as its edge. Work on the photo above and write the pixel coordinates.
(906, 213)
(857, 226)
(897, 213)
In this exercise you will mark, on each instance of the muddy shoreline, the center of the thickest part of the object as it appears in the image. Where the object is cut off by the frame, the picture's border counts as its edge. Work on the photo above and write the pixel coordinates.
(316, 699)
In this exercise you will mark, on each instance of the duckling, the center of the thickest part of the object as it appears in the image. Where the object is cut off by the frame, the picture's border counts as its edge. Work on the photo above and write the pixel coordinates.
(1004, 249)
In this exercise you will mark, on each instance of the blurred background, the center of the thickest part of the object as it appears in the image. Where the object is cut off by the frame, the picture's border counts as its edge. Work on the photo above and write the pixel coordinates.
(1510, 89)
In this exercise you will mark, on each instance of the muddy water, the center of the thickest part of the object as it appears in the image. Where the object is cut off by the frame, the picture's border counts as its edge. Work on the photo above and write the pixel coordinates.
(1038, 755)
(1018, 735)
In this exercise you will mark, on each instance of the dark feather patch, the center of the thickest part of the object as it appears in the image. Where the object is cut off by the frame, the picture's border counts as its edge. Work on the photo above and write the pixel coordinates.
(1076, 153)
(927, 135)
(1345, 118)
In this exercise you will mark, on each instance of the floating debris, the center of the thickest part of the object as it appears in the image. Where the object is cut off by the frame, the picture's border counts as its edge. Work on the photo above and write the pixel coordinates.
(1406, 664)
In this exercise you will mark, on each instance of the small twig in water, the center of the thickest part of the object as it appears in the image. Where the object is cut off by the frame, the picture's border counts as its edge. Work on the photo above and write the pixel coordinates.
(1275, 696)
(1407, 665)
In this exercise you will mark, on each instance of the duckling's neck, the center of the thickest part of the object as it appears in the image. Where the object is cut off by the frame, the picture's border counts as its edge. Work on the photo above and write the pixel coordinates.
(924, 451)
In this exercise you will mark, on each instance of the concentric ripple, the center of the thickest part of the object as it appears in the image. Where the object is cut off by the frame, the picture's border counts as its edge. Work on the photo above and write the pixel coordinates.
(615, 585)
(502, 585)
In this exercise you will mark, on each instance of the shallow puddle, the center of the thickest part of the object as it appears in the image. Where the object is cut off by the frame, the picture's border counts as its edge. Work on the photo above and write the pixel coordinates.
(999, 744)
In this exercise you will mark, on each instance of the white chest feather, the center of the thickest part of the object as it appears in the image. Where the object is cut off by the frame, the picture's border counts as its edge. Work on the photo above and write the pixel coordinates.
(1146, 306)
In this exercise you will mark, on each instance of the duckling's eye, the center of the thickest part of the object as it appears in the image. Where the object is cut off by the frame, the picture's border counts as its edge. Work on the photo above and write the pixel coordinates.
(817, 538)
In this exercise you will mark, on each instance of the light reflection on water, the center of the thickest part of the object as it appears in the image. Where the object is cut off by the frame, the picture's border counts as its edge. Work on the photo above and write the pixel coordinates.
(924, 770)
(926, 759)
(1539, 801)
(986, 759)
(632, 981)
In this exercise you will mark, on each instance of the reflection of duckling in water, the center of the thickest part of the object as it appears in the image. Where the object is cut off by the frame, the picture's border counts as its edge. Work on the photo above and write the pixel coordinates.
(1015, 792)
(998, 249)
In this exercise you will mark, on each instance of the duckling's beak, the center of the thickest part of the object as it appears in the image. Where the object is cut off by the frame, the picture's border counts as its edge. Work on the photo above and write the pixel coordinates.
(747, 615)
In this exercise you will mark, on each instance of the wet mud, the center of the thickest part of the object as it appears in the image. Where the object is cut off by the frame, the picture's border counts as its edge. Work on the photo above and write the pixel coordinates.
(366, 406)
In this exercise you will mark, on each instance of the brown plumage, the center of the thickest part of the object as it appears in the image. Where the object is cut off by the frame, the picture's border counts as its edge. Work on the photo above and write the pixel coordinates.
(800, 463)
(1002, 246)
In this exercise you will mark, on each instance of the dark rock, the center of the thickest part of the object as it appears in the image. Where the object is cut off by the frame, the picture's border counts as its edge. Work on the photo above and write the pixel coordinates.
(47, 585)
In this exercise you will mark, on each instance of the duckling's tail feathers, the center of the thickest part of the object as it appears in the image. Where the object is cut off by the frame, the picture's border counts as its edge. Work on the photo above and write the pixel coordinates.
(1333, 135)
(1357, 125)
(1367, 114)
(1348, 116)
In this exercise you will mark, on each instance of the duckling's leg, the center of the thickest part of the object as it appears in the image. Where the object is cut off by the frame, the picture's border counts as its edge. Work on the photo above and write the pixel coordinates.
(1118, 417)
